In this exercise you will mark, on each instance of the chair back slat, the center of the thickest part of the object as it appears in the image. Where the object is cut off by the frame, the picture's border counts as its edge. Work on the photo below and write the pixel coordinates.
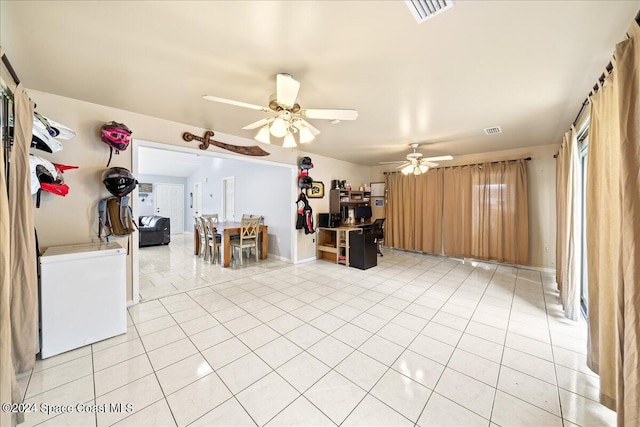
(212, 218)
(209, 226)
(249, 228)
(198, 223)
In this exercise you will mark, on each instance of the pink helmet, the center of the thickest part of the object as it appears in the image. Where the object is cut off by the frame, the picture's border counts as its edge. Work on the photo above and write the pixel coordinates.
(116, 135)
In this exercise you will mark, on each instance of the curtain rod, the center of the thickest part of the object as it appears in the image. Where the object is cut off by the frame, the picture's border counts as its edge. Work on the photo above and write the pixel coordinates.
(7, 64)
(608, 68)
(470, 164)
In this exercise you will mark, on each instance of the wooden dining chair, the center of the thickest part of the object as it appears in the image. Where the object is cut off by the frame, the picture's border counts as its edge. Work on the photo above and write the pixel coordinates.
(213, 240)
(202, 235)
(248, 237)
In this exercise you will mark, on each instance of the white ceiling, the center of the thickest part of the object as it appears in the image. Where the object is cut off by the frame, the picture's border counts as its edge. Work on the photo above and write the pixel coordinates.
(523, 65)
(152, 161)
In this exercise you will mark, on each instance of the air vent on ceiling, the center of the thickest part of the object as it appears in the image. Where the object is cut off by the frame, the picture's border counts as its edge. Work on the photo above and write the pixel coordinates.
(425, 9)
(493, 130)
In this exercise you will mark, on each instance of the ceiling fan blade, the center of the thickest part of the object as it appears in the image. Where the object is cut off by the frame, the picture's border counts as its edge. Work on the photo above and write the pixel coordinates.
(313, 130)
(438, 158)
(259, 123)
(315, 113)
(403, 165)
(236, 103)
(430, 164)
(286, 90)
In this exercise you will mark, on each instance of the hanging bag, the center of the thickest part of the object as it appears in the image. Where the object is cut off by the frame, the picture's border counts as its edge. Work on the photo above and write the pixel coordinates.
(115, 217)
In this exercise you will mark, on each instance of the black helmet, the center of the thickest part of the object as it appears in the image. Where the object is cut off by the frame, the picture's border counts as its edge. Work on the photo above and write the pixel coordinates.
(305, 163)
(305, 182)
(119, 181)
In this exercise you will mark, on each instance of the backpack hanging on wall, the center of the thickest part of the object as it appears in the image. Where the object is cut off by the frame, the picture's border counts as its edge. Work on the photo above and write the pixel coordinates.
(115, 217)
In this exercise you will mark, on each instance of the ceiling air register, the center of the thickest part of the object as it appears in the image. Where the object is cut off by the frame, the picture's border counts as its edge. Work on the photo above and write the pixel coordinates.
(425, 9)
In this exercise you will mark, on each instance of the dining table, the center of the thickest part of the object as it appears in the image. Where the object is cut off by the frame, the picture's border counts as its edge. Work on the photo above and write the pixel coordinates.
(228, 229)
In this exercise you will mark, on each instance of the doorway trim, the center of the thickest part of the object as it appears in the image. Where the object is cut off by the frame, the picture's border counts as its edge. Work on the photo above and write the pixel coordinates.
(197, 198)
(137, 143)
(229, 181)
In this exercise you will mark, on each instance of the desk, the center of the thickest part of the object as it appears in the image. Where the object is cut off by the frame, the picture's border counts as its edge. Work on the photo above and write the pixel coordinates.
(363, 225)
(333, 243)
(229, 228)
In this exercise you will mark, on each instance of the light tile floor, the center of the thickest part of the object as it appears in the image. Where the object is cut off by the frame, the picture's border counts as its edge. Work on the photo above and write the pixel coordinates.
(418, 340)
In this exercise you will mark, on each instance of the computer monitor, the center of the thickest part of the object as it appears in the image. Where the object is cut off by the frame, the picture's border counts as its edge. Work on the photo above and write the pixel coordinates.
(363, 213)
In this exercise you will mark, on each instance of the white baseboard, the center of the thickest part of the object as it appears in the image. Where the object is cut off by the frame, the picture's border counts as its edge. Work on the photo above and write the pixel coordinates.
(300, 261)
(540, 269)
(281, 258)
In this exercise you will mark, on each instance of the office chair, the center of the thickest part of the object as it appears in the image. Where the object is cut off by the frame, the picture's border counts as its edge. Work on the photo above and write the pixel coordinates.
(378, 233)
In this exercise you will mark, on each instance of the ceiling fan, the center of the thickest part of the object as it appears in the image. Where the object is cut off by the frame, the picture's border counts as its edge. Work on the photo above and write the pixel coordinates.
(416, 164)
(289, 117)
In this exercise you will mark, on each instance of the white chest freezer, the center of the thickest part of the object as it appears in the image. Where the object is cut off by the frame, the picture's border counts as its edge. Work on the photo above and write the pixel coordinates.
(82, 295)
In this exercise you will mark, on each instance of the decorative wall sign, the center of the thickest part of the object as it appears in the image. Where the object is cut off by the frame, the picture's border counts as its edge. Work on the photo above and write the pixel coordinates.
(145, 188)
(251, 150)
(316, 191)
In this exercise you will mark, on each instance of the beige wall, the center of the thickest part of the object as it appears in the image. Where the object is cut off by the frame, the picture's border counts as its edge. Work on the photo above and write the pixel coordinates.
(541, 177)
(325, 169)
(73, 219)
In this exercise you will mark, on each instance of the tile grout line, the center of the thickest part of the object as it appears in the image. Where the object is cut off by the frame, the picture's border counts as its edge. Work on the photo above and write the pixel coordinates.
(304, 350)
(368, 392)
(455, 347)
(377, 284)
(515, 284)
(332, 369)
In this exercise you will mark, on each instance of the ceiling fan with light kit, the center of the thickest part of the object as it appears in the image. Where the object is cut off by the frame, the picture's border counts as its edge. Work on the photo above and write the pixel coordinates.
(416, 164)
(289, 118)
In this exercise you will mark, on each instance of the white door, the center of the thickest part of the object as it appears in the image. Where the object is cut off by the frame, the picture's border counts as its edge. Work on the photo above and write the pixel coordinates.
(169, 203)
(197, 199)
(228, 199)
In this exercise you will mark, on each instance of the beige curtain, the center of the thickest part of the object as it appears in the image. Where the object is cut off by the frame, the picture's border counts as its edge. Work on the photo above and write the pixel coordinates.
(613, 209)
(486, 212)
(7, 377)
(603, 237)
(24, 281)
(628, 319)
(456, 207)
(428, 236)
(399, 227)
(414, 211)
(570, 221)
(561, 233)
(499, 212)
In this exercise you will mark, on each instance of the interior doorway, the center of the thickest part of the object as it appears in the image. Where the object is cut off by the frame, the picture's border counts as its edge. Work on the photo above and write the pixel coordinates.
(197, 199)
(169, 203)
(228, 199)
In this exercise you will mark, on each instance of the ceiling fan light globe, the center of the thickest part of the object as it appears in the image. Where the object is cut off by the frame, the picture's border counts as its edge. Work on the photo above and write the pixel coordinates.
(263, 135)
(416, 171)
(407, 169)
(289, 141)
(423, 168)
(305, 135)
(278, 127)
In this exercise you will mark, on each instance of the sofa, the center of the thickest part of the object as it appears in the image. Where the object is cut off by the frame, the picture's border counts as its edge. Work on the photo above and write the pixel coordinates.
(154, 230)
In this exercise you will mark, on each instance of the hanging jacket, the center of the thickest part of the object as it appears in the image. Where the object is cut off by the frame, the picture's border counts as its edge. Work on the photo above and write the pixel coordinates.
(305, 214)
